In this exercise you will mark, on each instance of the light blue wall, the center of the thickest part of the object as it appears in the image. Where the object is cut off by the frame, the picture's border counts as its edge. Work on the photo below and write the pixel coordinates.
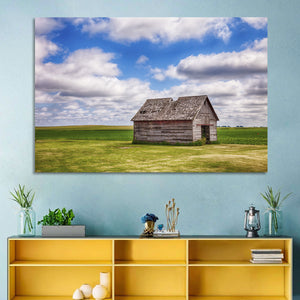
(113, 204)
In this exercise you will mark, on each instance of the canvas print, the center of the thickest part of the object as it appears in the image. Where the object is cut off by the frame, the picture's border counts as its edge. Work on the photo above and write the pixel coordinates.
(150, 95)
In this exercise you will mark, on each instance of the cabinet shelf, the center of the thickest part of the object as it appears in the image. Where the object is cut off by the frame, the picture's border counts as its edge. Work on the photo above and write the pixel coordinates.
(46, 298)
(232, 263)
(49, 263)
(237, 298)
(157, 298)
(150, 298)
(136, 263)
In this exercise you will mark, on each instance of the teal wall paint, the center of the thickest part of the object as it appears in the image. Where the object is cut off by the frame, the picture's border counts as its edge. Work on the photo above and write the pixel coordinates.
(113, 203)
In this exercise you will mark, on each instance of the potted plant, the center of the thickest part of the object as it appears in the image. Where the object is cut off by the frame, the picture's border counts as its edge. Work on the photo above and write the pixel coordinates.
(26, 216)
(58, 223)
(273, 215)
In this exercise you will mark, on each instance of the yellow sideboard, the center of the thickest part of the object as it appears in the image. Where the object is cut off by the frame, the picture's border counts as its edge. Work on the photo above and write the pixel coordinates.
(190, 267)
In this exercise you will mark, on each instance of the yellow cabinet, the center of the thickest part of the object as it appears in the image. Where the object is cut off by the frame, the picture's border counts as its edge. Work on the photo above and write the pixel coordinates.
(195, 268)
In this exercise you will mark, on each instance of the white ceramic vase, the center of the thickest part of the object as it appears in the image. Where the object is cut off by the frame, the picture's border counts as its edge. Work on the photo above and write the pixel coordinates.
(77, 295)
(105, 281)
(99, 292)
(86, 290)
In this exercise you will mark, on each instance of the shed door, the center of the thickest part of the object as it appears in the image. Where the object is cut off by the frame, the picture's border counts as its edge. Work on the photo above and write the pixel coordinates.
(205, 132)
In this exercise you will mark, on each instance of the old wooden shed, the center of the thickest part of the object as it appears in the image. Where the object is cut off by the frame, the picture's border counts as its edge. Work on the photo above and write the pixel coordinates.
(185, 120)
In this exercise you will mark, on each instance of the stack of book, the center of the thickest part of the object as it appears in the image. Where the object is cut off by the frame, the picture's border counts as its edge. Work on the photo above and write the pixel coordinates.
(266, 256)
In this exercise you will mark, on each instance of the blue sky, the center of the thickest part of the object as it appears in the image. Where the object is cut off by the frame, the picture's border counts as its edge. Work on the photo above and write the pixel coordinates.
(101, 70)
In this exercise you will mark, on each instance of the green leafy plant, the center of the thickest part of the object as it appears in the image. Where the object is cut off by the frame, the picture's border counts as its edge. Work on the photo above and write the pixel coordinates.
(24, 199)
(58, 217)
(274, 201)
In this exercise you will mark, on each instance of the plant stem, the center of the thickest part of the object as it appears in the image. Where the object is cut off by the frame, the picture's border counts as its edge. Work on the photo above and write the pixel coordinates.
(275, 221)
(27, 222)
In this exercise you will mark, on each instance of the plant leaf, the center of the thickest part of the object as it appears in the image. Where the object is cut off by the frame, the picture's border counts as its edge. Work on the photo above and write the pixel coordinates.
(272, 199)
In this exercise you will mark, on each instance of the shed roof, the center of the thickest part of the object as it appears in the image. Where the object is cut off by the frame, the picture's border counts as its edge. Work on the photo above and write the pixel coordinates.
(165, 109)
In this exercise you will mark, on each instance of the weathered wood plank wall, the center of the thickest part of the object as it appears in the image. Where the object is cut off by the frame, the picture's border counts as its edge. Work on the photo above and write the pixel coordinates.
(205, 117)
(164, 131)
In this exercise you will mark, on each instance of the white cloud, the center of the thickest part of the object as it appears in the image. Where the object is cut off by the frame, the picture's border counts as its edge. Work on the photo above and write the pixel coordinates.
(234, 101)
(73, 106)
(89, 85)
(84, 62)
(85, 72)
(237, 102)
(47, 25)
(142, 59)
(221, 66)
(78, 21)
(166, 30)
(260, 45)
(44, 97)
(236, 83)
(44, 48)
(158, 74)
(85, 89)
(215, 89)
(256, 22)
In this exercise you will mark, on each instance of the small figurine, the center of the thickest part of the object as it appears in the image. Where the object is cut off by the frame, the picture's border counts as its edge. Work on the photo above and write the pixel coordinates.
(160, 227)
(77, 295)
(149, 221)
(99, 292)
(86, 290)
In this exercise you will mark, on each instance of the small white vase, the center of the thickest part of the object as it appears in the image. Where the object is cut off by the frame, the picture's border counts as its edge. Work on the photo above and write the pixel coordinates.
(77, 295)
(105, 281)
(99, 292)
(86, 290)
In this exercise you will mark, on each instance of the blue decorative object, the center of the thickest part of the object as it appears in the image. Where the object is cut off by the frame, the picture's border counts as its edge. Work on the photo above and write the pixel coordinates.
(149, 217)
(160, 227)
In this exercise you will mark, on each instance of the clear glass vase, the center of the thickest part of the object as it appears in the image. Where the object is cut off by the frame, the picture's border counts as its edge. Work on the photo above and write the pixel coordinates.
(26, 222)
(273, 222)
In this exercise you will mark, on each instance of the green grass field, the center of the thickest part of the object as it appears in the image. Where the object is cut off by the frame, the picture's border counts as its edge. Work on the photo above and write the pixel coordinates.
(109, 149)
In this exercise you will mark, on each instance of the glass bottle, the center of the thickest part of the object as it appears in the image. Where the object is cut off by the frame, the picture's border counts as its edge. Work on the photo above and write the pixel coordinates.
(273, 222)
(26, 222)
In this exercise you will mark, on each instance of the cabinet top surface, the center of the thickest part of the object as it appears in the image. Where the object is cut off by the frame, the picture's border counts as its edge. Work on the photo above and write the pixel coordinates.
(137, 237)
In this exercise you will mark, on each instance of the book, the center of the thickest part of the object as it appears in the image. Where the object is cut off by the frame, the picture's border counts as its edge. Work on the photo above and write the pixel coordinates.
(266, 251)
(266, 255)
(266, 261)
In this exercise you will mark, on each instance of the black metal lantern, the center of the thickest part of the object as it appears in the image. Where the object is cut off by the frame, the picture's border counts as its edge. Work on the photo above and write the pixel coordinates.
(252, 222)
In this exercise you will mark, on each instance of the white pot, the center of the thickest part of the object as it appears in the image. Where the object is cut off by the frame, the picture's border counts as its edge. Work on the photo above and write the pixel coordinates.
(77, 295)
(105, 281)
(86, 290)
(99, 292)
